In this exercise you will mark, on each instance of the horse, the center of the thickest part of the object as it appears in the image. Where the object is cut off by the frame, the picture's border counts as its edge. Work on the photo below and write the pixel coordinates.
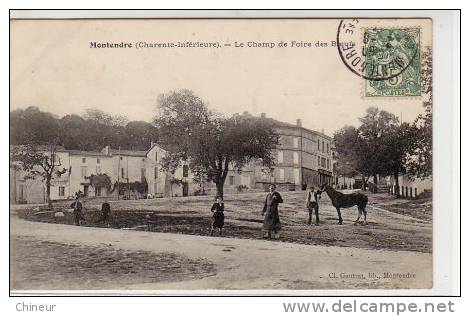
(342, 200)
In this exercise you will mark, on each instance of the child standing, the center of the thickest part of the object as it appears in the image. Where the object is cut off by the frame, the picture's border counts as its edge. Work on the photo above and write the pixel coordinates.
(217, 210)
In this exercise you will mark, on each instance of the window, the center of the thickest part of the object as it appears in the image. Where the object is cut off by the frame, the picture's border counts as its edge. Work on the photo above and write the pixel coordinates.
(120, 158)
(61, 191)
(83, 160)
(318, 143)
(280, 156)
(98, 160)
(122, 173)
(98, 169)
(323, 162)
(322, 146)
(318, 162)
(281, 174)
(185, 171)
(328, 163)
(156, 156)
(156, 172)
(296, 157)
(231, 180)
(84, 171)
(296, 142)
(327, 148)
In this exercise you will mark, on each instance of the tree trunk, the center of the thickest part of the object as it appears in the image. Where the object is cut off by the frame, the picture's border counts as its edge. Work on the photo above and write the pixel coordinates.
(48, 193)
(220, 189)
(374, 187)
(397, 185)
(363, 183)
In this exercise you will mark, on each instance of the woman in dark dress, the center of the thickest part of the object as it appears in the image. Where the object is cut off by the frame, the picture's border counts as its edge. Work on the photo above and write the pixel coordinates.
(271, 223)
(217, 210)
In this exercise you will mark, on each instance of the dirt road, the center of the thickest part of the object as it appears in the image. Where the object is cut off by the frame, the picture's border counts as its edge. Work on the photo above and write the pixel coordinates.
(217, 263)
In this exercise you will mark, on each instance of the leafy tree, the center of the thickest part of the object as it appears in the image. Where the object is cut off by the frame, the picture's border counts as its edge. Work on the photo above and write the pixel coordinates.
(37, 161)
(211, 144)
(353, 154)
(380, 146)
(376, 125)
(396, 145)
(139, 135)
(31, 126)
(419, 160)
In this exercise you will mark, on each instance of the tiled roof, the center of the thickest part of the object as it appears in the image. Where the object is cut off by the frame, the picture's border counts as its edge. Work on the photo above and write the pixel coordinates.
(277, 123)
(123, 152)
(86, 153)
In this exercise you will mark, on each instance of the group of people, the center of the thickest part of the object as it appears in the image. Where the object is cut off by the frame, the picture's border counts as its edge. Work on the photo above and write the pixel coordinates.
(79, 218)
(271, 222)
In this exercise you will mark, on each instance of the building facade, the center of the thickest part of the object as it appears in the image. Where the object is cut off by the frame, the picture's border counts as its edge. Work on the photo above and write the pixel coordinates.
(128, 174)
(303, 158)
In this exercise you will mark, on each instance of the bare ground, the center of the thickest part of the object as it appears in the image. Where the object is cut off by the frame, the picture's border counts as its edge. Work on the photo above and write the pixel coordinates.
(163, 244)
(393, 224)
(47, 265)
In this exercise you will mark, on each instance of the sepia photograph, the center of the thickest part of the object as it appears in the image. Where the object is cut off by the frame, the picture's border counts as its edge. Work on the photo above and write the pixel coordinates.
(281, 154)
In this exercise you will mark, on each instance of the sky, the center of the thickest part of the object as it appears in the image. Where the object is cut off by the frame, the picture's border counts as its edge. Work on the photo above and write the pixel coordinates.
(54, 68)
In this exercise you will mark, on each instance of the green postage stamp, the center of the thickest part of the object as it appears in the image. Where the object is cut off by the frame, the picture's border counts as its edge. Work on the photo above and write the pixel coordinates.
(393, 61)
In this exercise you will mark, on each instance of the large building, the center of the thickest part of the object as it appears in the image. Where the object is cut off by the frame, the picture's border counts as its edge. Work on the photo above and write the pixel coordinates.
(132, 174)
(303, 158)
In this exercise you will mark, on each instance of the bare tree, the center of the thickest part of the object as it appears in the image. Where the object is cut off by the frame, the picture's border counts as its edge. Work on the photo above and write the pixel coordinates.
(38, 161)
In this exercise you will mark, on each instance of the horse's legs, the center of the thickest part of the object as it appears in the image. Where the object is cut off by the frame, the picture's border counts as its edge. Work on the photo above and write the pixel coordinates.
(340, 219)
(365, 215)
(359, 214)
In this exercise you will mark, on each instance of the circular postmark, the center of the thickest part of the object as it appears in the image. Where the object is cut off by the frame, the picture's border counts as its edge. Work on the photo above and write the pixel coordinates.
(376, 53)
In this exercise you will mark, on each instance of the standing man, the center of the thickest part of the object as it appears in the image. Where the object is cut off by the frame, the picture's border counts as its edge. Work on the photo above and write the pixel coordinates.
(77, 210)
(272, 223)
(312, 203)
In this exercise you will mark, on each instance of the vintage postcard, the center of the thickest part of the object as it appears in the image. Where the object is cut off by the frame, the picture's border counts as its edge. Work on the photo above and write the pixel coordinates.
(156, 155)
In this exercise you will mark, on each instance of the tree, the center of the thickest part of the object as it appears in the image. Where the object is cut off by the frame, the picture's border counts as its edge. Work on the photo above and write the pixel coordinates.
(353, 154)
(32, 126)
(396, 145)
(379, 146)
(139, 135)
(419, 159)
(37, 161)
(208, 142)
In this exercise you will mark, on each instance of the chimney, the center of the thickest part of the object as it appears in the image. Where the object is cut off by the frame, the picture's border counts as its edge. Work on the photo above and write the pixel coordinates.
(263, 115)
(245, 113)
(299, 122)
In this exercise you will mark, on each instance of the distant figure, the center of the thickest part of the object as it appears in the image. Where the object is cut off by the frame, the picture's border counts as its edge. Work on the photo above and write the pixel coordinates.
(312, 204)
(77, 211)
(218, 217)
(272, 223)
(105, 212)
